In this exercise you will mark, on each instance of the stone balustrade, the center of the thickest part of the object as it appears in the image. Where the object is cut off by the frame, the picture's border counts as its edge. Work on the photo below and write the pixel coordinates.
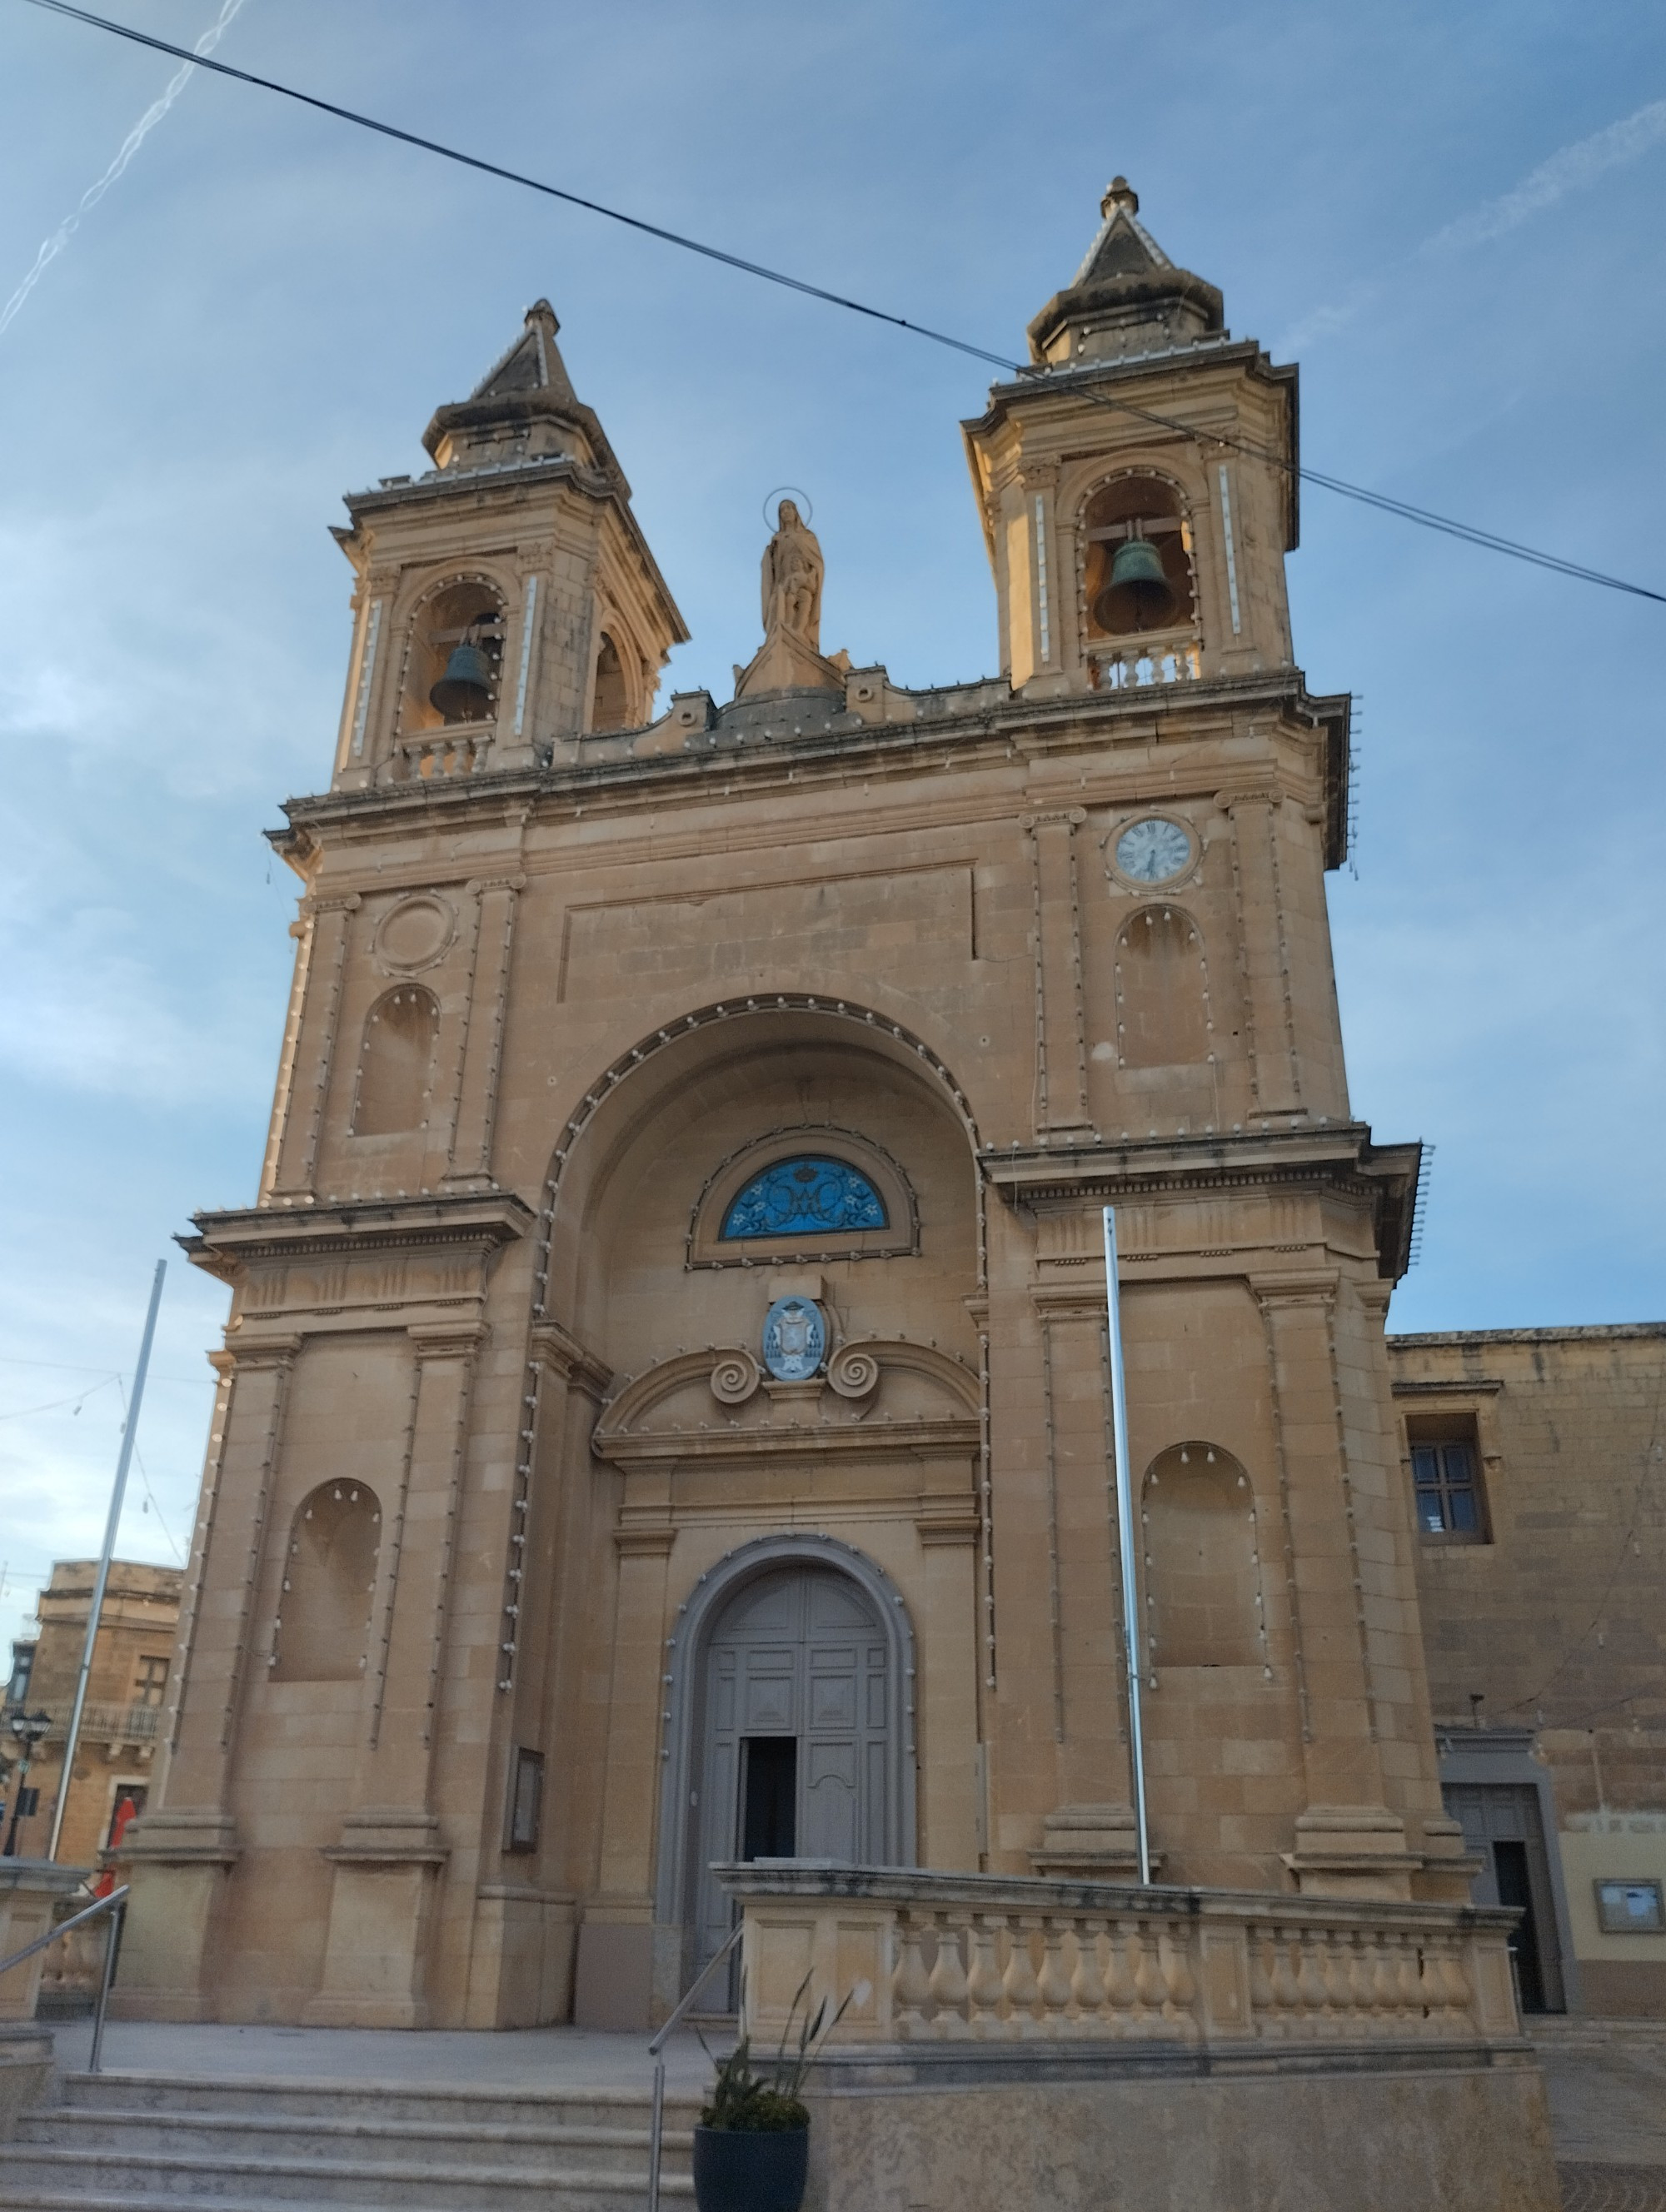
(940, 1958)
(1149, 660)
(457, 750)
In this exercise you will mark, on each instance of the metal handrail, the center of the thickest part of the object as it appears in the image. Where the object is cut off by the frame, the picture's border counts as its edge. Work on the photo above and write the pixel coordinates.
(116, 1905)
(657, 2052)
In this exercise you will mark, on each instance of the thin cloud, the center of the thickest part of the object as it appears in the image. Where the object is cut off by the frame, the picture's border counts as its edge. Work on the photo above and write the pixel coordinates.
(136, 138)
(1570, 171)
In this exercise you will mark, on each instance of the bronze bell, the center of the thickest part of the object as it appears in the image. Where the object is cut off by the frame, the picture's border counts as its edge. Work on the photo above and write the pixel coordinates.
(1138, 596)
(465, 691)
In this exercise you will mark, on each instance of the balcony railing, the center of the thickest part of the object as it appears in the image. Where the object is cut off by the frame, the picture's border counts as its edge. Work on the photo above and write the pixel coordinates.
(103, 1724)
(945, 1957)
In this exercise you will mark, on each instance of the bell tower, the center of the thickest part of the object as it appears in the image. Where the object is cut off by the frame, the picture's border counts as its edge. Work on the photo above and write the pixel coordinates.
(1138, 492)
(506, 598)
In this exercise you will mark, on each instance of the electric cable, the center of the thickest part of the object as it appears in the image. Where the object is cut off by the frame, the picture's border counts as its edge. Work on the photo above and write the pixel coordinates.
(1467, 533)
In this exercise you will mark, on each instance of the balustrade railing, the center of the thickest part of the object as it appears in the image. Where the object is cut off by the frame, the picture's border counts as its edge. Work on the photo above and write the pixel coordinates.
(1148, 660)
(454, 750)
(947, 1957)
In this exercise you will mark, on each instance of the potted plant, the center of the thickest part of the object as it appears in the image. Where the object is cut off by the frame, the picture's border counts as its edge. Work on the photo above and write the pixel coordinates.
(751, 2148)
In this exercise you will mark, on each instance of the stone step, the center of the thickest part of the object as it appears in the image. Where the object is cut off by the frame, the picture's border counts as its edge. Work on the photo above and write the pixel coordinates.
(280, 2098)
(257, 2133)
(34, 2175)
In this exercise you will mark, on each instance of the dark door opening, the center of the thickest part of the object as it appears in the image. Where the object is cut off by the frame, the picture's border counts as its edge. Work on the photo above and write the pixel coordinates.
(768, 1797)
(1510, 1872)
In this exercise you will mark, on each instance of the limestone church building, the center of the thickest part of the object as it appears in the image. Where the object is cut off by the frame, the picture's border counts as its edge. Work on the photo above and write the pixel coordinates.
(664, 1419)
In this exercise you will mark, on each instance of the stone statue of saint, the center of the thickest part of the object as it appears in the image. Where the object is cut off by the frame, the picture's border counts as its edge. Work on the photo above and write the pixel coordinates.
(793, 569)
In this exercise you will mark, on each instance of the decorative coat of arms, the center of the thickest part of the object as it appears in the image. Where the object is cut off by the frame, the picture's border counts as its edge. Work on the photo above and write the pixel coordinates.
(795, 1339)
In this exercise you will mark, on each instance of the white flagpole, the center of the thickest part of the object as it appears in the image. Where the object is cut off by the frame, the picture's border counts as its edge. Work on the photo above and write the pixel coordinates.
(130, 1430)
(1125, 1539)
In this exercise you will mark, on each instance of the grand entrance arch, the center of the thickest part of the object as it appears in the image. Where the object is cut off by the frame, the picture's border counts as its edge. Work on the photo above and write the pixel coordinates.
(792, 1726)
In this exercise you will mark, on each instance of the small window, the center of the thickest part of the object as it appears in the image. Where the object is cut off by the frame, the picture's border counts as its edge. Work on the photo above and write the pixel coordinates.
(1630, 1908)
(805, 1196)
(1446, 1476)
(151, 1683)
(525, 1800)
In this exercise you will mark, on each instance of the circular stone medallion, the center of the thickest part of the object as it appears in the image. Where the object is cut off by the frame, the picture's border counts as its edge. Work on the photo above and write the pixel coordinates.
(795, 1339)
(414, 934)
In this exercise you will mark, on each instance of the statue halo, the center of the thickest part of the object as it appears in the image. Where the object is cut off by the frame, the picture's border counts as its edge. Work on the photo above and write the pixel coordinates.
(787, 491)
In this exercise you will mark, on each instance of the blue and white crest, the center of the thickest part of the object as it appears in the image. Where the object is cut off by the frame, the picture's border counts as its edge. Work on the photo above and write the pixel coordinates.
(795, 1339)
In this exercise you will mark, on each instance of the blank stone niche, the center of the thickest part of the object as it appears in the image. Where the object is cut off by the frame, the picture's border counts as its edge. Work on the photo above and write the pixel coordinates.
(323, 1630)
(1202, 1573)
(1162, 991)
(395, 1062)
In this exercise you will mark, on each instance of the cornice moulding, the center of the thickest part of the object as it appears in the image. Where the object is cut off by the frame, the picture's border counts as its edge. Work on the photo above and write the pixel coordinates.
(251, 1235)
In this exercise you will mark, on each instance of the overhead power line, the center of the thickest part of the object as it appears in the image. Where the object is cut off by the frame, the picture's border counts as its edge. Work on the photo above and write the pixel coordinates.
(1469, 533)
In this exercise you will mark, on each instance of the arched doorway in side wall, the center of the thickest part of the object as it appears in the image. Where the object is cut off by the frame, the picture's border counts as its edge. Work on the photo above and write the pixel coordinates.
(794, 1747)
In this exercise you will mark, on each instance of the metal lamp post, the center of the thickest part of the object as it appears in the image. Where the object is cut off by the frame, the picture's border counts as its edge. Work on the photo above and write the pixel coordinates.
(28, 1728)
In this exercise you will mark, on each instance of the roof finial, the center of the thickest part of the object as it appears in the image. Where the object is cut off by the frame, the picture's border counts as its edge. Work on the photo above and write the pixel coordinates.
(1119, 192)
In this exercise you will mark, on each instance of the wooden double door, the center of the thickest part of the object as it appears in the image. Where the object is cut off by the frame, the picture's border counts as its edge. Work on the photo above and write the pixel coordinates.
(796, 1727)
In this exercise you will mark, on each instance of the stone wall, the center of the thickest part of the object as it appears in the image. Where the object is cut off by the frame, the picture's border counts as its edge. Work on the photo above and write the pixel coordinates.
(1552, 1620)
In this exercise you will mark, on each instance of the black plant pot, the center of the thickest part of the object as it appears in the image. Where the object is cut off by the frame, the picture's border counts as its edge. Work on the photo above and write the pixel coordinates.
(736, 2170)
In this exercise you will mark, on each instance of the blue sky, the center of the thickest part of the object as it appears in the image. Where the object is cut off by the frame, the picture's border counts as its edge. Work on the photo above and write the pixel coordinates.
(1452, 215)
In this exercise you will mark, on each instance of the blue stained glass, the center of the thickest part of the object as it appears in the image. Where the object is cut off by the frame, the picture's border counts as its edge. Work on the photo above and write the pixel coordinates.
(800, 1197)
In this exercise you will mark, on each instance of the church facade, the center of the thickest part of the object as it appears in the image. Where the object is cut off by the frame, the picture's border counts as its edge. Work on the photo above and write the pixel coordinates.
(665, 1414)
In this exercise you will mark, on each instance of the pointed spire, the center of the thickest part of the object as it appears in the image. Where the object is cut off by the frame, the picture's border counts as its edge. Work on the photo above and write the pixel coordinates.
(1128, 297)
(524, 409)
(532, 363)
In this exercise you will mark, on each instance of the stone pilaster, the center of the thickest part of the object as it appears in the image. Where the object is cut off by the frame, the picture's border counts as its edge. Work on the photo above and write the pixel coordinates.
(482, 1057)
(1264, 948)
(304, 1080)
(1061, 1035)
(390, 1849)
(1348, 1839)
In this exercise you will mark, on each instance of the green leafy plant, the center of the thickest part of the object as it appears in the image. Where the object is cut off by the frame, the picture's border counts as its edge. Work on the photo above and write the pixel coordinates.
(750, 2102)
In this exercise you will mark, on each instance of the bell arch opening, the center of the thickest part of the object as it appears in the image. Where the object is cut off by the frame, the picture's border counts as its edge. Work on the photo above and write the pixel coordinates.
(1137, 568)
(453, 657)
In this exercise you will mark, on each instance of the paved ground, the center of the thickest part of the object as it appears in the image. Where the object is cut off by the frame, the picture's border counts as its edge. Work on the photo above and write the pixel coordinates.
(1607, 2108)
(1607, 2079)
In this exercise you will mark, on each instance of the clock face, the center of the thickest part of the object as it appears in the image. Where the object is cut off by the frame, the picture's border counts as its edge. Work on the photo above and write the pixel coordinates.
(1152, 850)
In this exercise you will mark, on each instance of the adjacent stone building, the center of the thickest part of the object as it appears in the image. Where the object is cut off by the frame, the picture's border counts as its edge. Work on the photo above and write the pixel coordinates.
(126, 1693)
(1538, 1460)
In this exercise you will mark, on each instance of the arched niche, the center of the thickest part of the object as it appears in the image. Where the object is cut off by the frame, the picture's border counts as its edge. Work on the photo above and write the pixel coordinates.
(1163, 1015)
(1204, 1601)
(611, 708)
(700, 1611)
(395, 1062)
(322, 1632)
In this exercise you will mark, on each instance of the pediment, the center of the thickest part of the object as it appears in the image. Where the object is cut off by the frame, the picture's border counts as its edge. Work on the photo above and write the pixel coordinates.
(875, 1395)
